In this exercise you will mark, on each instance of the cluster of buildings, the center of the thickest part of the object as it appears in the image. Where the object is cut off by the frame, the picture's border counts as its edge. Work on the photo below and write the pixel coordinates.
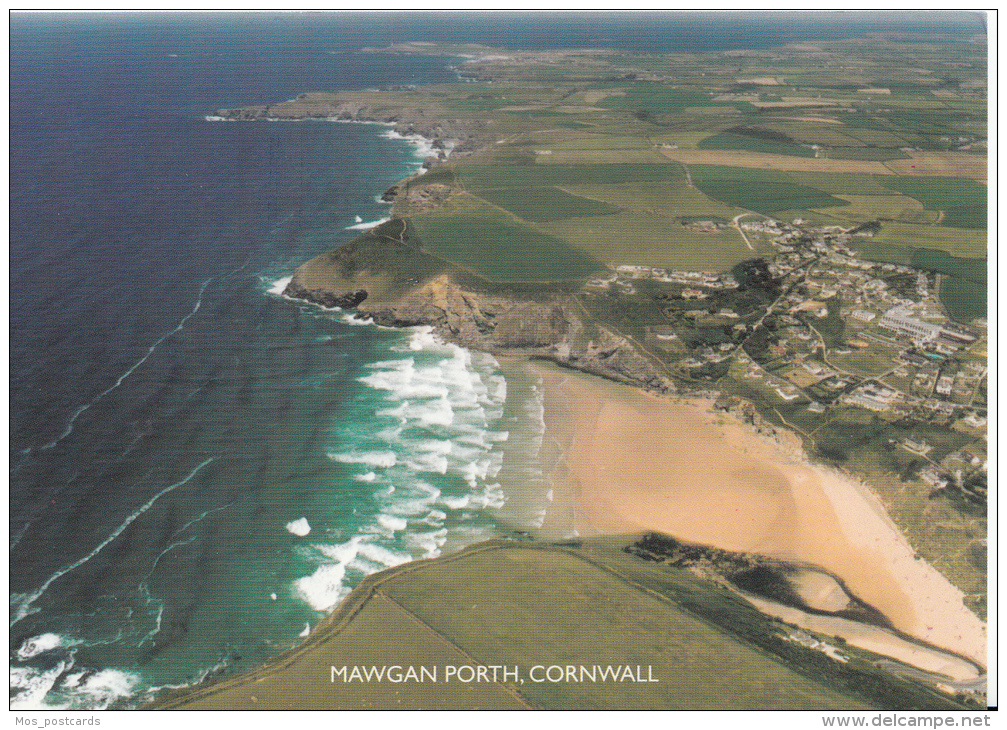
(897, 353)
(625, 274)
(947, 336)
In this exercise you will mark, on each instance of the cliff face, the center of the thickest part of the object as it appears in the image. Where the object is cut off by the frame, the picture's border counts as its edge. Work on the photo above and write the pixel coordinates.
(550, 326)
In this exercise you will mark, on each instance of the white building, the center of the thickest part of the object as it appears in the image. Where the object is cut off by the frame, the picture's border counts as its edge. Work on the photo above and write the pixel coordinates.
(896, 319)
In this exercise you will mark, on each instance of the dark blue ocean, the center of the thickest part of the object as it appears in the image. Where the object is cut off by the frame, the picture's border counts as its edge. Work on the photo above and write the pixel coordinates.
(200, 469)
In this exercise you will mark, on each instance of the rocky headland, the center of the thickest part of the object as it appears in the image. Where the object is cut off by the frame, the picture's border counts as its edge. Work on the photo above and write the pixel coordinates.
(463, 134)
(387, 278)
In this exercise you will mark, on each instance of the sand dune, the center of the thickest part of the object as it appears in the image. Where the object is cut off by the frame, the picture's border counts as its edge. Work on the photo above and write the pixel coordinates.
(634, 461)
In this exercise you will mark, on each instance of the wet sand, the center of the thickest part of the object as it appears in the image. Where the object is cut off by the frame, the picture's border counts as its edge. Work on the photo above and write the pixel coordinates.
(633, 461)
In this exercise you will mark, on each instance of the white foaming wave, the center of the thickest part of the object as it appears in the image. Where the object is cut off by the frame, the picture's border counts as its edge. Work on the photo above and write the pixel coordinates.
(277, 287)
(358, 219)
(455, 503)
(353, 319)
(73, 680)
(34, 684)
(424, 147)
(398, 411)
(379, 459)
(107, 686)
(390, 435)
(435, 518)
(401, 365)
(436, 463)
(403, 380)
(497, 387)
(539, 519)
(38, 644)
(445, 401)
(435, 446)
(392, 523)
(412, 507)
(429, 542)
(97, 692)
(366, 225)
(385, 556)
(299, 527)
(324, 588)
(342, 553)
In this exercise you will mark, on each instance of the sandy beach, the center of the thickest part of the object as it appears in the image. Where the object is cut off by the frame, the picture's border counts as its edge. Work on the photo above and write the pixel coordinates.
(633, 461)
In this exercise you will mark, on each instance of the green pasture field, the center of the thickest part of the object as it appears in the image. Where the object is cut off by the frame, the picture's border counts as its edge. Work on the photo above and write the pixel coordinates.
(607, 142)
(687, 137)
(962, 200)
(545, 204)
(482, 177)
(766, 197)
(653, 240)
(655, 99)
(942, 262)
(499, 247)
(714, 173)
(867, 362)
(968, 243)
(965, 299)
(863, 208)
(730, 141)
(509, 626)
(876, 137)
(865, 153)
(601, 157)
(843, 183)
(829, 135)
(673, 198)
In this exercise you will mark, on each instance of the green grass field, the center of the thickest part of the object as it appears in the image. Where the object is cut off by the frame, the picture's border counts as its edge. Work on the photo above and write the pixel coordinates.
(764, 196)
(482, 177)
(965, 299)
(586, 158)
(730, 141)
(962, 200)
(605, 142)
(865, 153)
(863, 208)
(673, 198)
(653, 240)
(545, 204)
(961, 242)
(499, 247)
(655, 99)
